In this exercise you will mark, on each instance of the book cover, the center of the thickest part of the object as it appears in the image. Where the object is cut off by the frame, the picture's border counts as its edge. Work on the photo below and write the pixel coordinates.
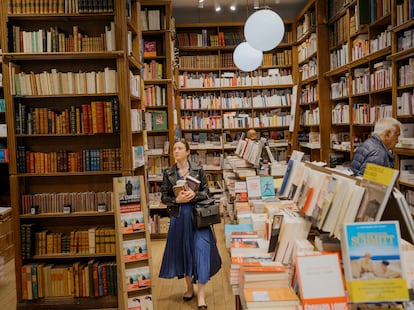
(371, 256)
(137, 278)
(150, 48)
(182, 186)
(132, 220)
(267, 187)
(270, 297)
(321, 282)
(240, 191)
(253, 187)
(275, 230)
(159, 120)
(142, 302)
(128, 189)
(378, 182)
(193, 183)
(134, 250)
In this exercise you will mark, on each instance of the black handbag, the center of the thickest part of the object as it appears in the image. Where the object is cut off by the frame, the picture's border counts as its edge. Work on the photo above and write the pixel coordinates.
(206, 213)
(174, 210)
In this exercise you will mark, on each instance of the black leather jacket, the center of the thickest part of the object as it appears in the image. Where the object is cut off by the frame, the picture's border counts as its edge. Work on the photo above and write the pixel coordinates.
(170, 179)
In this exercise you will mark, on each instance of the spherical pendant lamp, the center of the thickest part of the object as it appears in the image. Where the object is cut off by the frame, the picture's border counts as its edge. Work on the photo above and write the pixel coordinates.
(264, 30)
(246, 58)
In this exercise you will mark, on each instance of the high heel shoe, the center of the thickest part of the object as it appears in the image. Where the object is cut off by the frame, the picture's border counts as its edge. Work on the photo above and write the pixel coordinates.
(203, 307)
(188, 298)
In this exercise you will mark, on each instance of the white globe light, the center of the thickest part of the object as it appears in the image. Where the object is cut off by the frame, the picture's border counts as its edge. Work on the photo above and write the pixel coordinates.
(264, 30)
(246, 58)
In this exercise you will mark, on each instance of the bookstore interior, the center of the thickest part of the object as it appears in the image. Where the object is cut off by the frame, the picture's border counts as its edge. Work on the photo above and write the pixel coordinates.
(274, 98)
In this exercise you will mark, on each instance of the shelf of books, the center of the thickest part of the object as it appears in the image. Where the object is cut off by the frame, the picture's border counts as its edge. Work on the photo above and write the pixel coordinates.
(218, 102)
(65, 100)
(360, 73)
(311, 39)
(157, 26)
(403, 85)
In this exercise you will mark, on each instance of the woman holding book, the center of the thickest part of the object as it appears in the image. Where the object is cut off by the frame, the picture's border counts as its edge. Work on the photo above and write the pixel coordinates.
(190, 253)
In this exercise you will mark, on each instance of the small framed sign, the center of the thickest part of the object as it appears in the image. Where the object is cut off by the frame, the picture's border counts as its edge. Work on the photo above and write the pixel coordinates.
(101, 207)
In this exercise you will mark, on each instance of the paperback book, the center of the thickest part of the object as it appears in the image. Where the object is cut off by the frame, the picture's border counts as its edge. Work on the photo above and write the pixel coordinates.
(321, 283)
(143, 302)
(373, 267)
(378, 182)
(135, 250)
(128, 189)
(137, 278)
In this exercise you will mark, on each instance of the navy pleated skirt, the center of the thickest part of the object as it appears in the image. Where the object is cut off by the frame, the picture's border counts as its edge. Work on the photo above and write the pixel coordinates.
(189, 251)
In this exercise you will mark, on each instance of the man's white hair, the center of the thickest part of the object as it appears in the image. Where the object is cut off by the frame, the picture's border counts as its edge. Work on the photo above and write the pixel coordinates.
(385, 124)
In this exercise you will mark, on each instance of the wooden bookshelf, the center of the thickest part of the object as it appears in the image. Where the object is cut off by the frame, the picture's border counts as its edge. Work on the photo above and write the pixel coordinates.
(402, 58)
(158, 30)
(218, 102)
(69, 155)
(312, 133)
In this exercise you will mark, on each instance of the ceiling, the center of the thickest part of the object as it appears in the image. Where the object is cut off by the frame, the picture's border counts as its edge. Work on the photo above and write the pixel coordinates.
(188, 11)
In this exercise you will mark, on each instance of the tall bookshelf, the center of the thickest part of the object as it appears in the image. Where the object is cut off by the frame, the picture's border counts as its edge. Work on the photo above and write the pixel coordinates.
(402, 91)
(68, 115)
(360, 72)
(4, 162)
(312, 134)
(157, 26)
(218, 102)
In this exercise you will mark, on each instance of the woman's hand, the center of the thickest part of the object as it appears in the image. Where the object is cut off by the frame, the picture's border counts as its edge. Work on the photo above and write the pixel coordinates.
(185, 196)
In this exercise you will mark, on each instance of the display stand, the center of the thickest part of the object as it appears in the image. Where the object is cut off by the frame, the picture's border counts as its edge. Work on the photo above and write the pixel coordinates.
(133, 243)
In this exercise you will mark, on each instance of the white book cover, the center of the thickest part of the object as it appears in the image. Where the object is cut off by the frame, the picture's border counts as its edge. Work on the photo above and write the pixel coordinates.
(142, 302)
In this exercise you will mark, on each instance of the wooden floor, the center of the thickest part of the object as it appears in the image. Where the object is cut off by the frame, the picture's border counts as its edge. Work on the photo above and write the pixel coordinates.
(167, 294)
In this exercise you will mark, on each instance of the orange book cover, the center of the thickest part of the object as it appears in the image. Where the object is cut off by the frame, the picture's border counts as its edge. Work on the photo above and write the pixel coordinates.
(278, 294)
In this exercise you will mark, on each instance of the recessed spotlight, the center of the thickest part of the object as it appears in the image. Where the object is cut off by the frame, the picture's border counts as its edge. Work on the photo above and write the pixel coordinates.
(232, 7)
(218, 8)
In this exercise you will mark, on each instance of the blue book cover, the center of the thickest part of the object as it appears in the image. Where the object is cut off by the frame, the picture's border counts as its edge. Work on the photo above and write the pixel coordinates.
(373, 267)
(286, 178)
(267, 186)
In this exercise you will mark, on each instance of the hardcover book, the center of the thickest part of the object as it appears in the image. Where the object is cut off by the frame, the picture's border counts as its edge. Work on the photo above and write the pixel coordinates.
(128, 189)
(193, 183)
(371, 256)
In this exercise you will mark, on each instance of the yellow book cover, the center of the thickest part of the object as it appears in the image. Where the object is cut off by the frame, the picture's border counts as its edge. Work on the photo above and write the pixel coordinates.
(371, 256)
(378, 182)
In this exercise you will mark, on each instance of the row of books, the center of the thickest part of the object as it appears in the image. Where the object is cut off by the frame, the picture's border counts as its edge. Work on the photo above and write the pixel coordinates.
(362, 113)
(91, 279)
(405, 11)
(152, 70)
(159, 224)
(4, 155)
(54, 202)
(52, 40)
(60, 7)
(88, 241)
(152, 19)
(64, 83)
(68, 161)
(232, 79)
(93, 118)
(155, 96)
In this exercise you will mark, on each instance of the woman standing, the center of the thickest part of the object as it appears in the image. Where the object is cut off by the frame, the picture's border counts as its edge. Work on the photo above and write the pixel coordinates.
(189, 253)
